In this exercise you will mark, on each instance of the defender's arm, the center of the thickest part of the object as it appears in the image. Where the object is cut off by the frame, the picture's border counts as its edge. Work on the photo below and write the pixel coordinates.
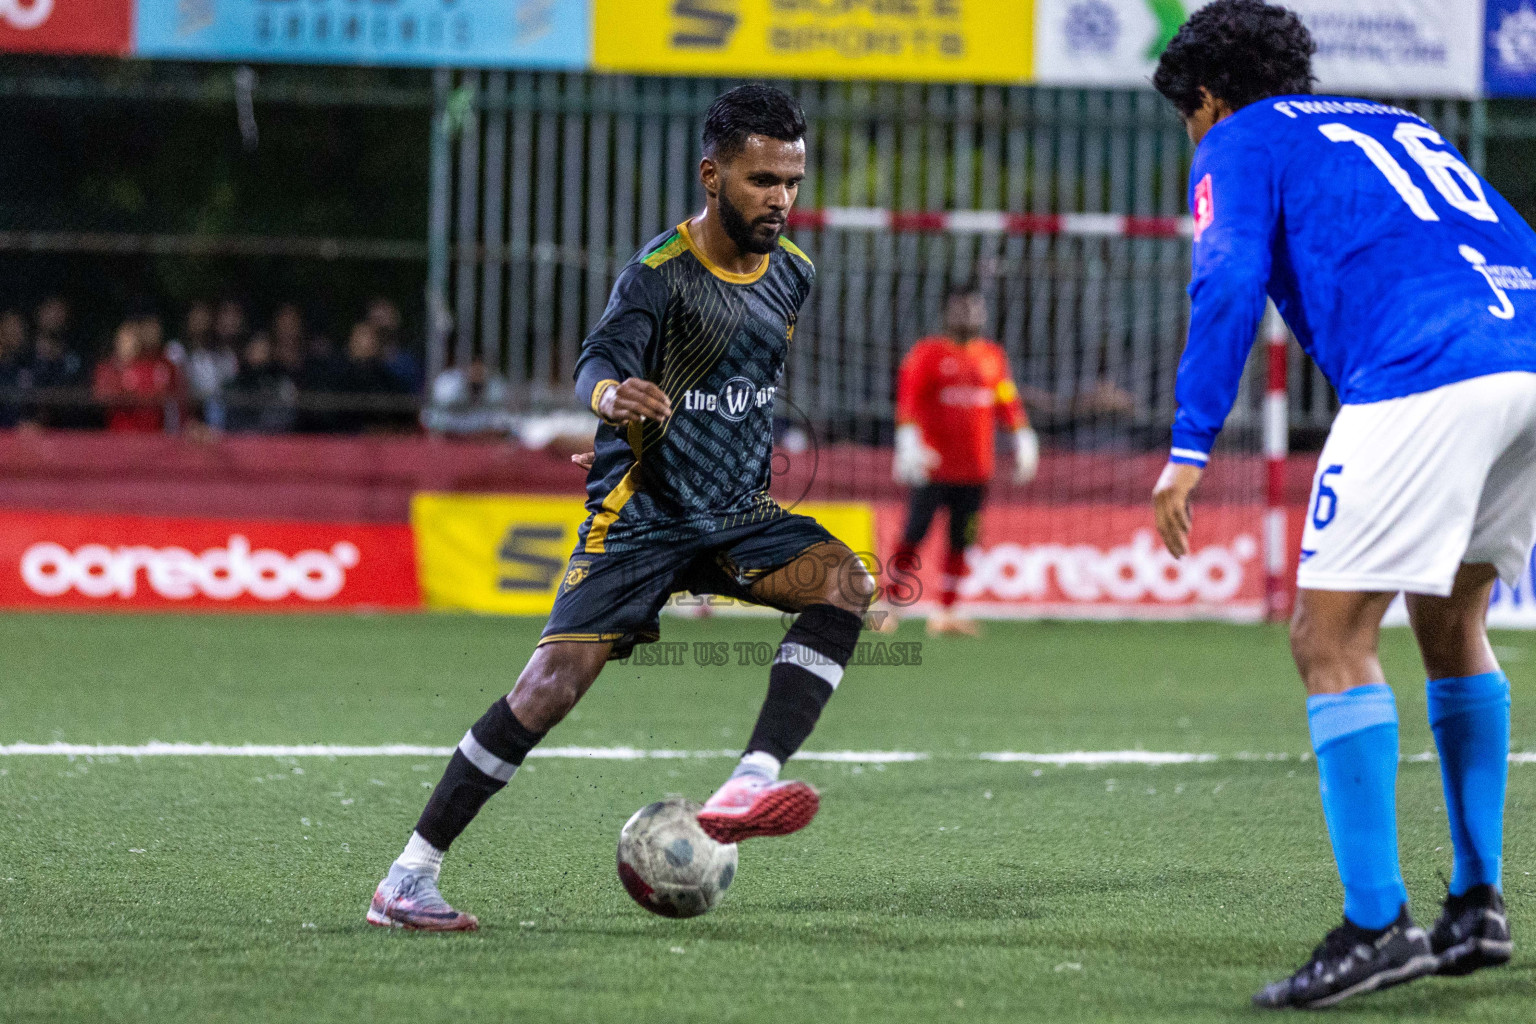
(1236, 209)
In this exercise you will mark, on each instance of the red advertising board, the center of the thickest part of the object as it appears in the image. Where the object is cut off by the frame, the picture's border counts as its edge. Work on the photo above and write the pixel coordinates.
(1096, 561)
(66, 26)
(100, 563)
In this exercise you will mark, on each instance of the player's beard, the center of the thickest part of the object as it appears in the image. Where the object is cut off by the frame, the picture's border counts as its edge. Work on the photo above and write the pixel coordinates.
(759, 236)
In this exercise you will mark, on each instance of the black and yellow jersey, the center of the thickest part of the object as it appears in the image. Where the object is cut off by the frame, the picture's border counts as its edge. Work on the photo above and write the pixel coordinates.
(715, 342)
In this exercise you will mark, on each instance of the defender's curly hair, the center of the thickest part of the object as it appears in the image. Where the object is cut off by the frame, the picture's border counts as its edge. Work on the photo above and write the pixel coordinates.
(748, 110)
(1241, 50)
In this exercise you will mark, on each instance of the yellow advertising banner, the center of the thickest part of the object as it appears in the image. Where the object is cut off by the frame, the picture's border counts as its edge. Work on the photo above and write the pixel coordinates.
(916, 40)
(506, 554)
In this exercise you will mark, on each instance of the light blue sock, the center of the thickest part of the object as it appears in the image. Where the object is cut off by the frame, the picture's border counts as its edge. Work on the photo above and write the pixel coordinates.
(1470, 718)
(1355, 736)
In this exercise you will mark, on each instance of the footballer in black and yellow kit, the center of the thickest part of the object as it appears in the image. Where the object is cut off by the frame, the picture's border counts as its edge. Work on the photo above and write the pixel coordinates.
(683, 504)
(682, 372)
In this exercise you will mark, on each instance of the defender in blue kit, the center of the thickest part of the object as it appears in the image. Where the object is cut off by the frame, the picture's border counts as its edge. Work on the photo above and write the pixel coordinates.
(1408, 279)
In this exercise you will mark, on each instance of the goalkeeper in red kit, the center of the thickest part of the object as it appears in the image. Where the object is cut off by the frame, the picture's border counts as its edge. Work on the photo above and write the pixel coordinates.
(952, 394)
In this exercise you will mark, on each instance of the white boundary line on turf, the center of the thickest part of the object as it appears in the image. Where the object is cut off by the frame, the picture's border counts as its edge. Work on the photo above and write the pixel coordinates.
(155, 748)
(1100, 757)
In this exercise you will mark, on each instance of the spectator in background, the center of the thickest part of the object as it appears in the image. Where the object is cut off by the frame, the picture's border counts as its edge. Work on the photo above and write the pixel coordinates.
(197, 328)
(262, 394)
(290, 340)
(318, 369)
(51, 320)
(384, 315)
(151, 331)
(230, 328)
(151, 334)
(363, 374)
(13, 366)
(205, 364)
(54, 370)
(136, 388)
(469, 401)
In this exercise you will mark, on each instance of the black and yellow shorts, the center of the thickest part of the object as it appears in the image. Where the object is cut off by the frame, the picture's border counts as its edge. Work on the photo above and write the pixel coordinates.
(617, 597)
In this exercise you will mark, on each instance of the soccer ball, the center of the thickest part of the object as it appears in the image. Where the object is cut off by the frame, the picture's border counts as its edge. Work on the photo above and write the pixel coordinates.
(667, 863)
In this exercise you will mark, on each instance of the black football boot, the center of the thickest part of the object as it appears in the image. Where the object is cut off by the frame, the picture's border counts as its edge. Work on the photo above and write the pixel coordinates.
(1472, 932)
(1352, 960)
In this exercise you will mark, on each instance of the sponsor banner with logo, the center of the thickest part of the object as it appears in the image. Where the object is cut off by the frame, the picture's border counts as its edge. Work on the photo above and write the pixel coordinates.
(922, 40)
(102, 563)
(1509, 55)
(463, 33)
(66, 26)
(1391, 47)
(507, 554)
(1094, 561)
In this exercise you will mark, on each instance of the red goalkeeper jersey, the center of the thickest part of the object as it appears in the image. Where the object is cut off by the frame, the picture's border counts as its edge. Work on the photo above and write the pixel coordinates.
(958, 395)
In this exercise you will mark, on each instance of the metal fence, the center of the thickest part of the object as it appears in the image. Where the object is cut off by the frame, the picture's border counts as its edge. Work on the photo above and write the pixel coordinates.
(545, 184)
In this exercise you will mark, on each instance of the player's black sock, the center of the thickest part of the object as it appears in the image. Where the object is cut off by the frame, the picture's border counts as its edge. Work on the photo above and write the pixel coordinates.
(810, 665)
(486, 759)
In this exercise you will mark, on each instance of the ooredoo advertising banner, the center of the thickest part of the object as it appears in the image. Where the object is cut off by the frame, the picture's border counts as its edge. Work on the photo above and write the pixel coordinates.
(1380, 47)
(66, 26)
(102, 563)
(1097, 561)
(937, 40)
(509, 33)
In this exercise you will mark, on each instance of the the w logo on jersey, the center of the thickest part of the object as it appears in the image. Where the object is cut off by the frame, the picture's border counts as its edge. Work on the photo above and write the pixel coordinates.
(736, 398)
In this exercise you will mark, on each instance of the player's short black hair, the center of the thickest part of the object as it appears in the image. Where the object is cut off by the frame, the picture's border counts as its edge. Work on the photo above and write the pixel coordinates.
(746, 110)
(962, 289)
(1242, 51)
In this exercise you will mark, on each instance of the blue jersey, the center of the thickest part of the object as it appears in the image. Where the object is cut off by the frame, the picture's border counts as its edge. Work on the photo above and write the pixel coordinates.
(1398, 268)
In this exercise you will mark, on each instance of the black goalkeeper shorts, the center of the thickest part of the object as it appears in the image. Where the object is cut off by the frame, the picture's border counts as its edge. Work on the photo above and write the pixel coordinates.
(964, 503)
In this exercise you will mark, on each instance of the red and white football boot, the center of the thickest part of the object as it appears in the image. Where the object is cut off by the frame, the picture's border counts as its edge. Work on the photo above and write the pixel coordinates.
(749, 806)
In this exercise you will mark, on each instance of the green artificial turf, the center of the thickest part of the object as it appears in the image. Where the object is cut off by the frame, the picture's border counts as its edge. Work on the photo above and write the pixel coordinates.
(216, 889)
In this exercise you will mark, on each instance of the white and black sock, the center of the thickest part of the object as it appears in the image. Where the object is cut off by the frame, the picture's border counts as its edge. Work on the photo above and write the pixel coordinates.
(810, 664)
(420, 855)
(758, 764)
(486, 759)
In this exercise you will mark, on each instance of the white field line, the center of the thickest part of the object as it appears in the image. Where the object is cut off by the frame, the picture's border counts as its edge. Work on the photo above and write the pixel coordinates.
(1100, 757)
(156, 748)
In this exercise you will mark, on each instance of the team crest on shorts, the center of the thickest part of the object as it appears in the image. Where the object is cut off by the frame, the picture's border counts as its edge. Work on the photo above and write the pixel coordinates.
(578, 572)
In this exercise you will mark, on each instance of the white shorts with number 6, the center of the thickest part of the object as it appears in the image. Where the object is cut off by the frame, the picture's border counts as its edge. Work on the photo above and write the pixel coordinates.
(1409, 489)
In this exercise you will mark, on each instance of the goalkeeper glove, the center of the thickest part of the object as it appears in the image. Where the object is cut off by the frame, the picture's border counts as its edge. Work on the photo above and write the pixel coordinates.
(1026, 455)
(914, 460)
